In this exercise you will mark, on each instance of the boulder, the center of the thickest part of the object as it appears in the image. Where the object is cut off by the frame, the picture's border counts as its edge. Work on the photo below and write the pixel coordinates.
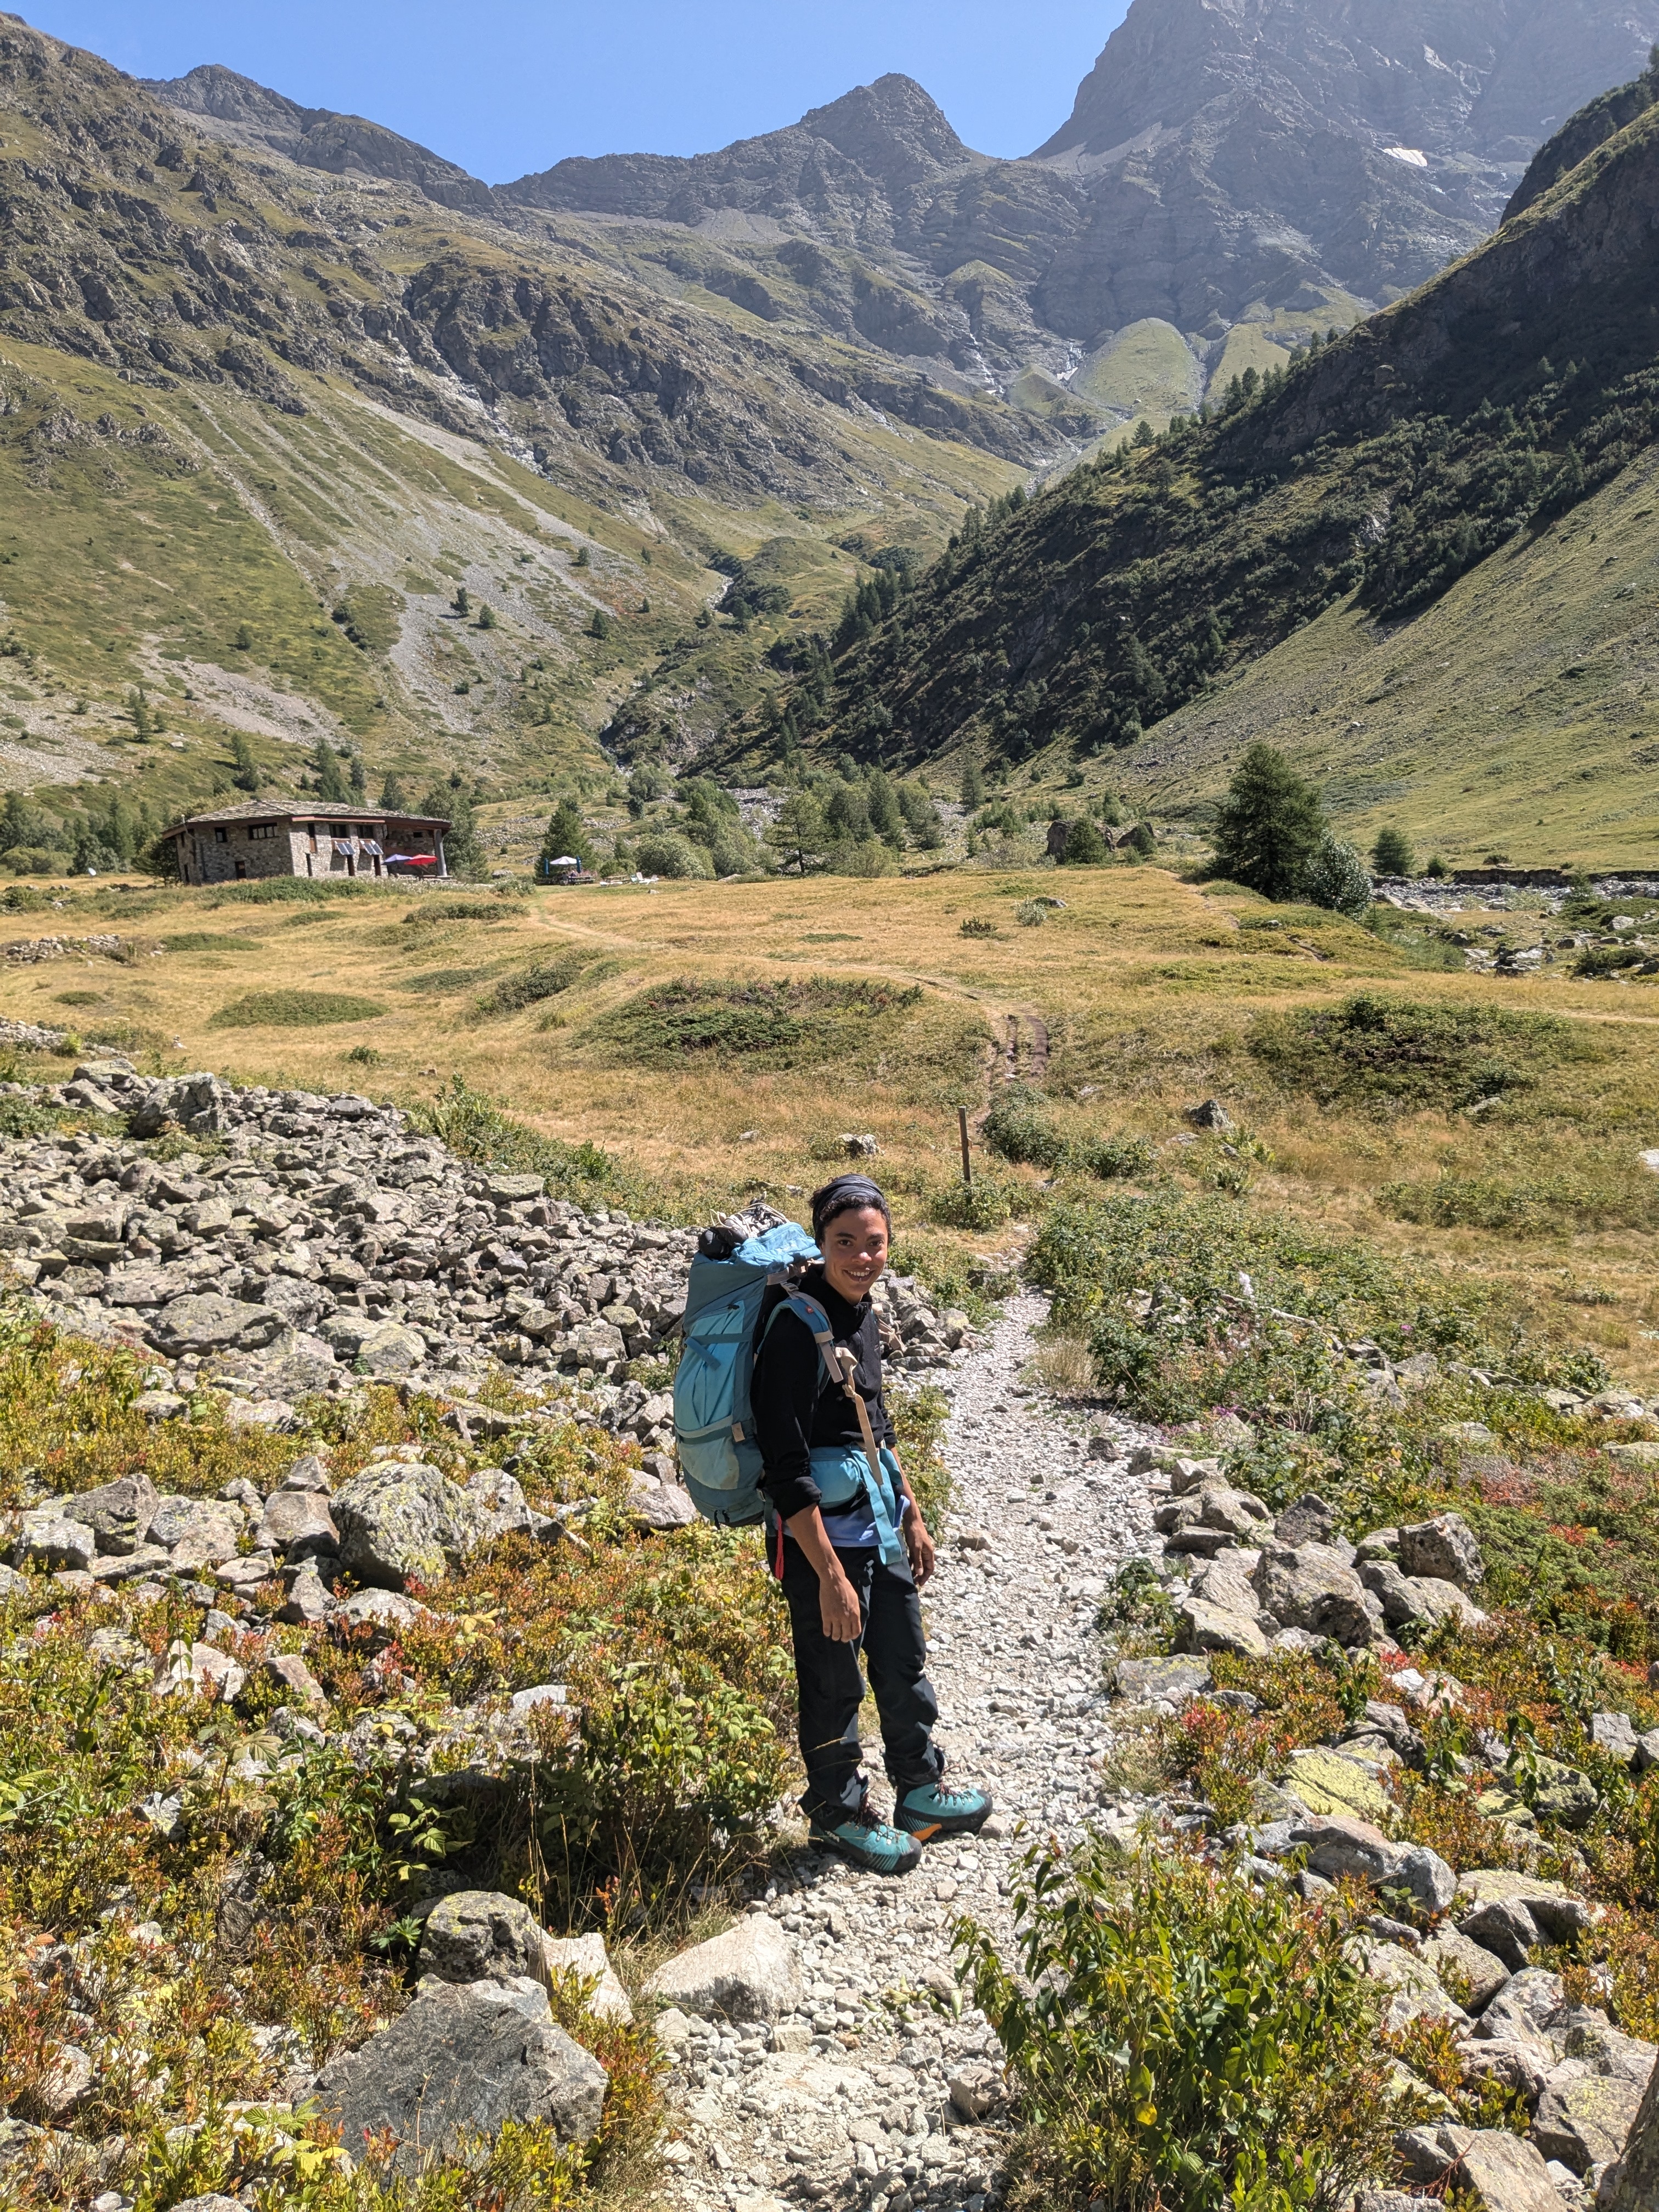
(294, 1678)
(1528, 2008)
(658, 1505)
(481, 1935)
(500, 1502)
(586, 1955)
(119, 1514)
(298, 1524)
(1225, 1583)
(1504, 2174)
(205, 1534)
(403, 1522)
(1409, 1600)
(1564, 1793)
(1635, 1459)
(48, 1542)
(751, 1972)
(308, 1473)
(1424, 1878)
(1309, 1521)
(308, 1600)
(1503, 1927)
(1615, 1735)
(1586, 2122)
(1413, 1992)
(1560, 1914)
(1205, 1627)
(391, 1349)
(1312, 1587)
(1605, 2050)
(384, 1611)
(203, 1320)
(1472, 1973)
(1326, 1783)
(1444, 1549)
(464, 2059)
(1159, 1682)
(1632, 2185)
(1428, 2153)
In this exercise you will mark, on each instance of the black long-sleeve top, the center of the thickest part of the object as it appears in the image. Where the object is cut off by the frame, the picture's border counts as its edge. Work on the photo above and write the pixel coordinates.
(793, 1404)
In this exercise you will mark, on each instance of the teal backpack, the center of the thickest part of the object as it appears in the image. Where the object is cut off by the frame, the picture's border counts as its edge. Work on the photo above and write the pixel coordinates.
(719, 1463)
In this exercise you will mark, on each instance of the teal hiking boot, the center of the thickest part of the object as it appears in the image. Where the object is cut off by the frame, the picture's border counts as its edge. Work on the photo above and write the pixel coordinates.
(865, 1841)
(934, 1811)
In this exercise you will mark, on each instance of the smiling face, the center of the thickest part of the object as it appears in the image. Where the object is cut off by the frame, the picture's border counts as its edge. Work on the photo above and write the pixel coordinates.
(854, 1248)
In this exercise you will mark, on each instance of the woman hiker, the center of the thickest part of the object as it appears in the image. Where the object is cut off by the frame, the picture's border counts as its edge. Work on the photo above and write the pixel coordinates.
(851, 1572)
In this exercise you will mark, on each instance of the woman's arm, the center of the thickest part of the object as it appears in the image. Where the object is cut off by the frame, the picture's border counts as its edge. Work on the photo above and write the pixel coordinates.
(838, 1602)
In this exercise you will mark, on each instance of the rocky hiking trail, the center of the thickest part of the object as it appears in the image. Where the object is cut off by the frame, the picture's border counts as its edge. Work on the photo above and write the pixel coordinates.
(869, 2085)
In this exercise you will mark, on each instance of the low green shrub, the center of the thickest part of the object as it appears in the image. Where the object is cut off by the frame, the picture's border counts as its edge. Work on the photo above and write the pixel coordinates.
(985, 1203)
(438, 981)
(1197, 1301)
(919, 1420)
(543, 979)
(441, 908)
(1391, 1055)
(296, 890)
(207, 940)
(1114, 1159)
(473, 1125)
(1017, 1128)
(1599, 960)
(1182, 2036)
(1524, 1204)
(785, 1024)
(294, 1010)
(977, 925)
(1031, 914)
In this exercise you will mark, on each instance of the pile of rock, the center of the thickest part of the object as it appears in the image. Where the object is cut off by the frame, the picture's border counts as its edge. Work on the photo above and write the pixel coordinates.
(314, 1242)
(1288, 1581)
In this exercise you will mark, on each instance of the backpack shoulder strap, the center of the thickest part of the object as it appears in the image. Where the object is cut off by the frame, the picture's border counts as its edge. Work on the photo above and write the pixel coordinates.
(812, 1317)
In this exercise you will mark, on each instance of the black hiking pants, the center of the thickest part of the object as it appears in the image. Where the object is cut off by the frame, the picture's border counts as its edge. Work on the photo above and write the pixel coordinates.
(894, 1652)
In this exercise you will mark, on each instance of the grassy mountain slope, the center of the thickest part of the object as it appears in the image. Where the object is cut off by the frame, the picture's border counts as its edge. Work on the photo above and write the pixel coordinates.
(1457, 435)
(260, 426)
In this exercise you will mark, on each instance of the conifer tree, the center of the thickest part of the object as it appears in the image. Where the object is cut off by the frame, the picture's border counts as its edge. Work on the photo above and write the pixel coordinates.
(1270, 825)
(325, 766)
(245, 770)
(567, 835)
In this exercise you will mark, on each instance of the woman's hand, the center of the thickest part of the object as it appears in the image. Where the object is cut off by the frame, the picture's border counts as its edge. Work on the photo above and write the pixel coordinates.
(838, 1601)
(920, 1545)
(838, 1606)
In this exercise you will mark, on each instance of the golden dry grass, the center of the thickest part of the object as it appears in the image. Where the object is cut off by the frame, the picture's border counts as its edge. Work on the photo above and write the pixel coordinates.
(1145, 986)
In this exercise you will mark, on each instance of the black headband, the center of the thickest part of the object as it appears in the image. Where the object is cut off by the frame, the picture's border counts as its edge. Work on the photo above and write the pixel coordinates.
(844, 1195)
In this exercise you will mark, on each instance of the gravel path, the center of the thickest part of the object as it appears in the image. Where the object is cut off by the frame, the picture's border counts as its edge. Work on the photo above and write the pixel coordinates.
(849, 2102)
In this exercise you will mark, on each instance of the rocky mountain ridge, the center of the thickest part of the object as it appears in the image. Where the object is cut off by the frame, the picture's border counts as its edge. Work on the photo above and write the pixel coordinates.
(1269, 168)
(1470, 419)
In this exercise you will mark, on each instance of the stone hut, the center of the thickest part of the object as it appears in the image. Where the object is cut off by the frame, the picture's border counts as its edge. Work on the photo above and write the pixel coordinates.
(324, 837)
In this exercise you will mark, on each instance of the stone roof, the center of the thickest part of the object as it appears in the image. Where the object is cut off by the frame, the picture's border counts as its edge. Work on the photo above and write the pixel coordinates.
(320, 810)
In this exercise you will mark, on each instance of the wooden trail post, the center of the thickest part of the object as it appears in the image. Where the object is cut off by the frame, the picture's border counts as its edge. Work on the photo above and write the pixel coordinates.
(967, 1162)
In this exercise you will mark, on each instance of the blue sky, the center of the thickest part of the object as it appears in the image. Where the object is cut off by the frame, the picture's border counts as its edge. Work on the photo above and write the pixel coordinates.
(505, 86)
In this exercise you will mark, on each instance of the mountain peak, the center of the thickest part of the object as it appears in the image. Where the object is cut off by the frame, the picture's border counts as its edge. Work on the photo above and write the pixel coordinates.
(210, 90)
(894, 117)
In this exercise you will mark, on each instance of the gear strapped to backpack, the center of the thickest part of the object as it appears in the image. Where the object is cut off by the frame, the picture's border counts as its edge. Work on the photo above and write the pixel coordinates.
(719, 1459)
